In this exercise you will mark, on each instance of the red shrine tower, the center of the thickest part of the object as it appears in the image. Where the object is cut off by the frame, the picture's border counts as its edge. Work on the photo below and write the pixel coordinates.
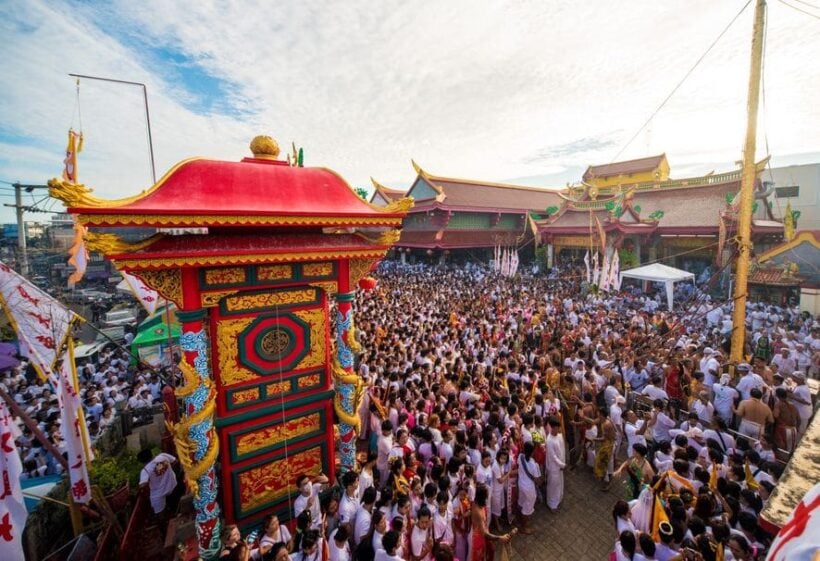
(263, 381)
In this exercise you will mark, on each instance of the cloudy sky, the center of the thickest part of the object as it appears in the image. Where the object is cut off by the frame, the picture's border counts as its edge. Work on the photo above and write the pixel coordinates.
(525, 91)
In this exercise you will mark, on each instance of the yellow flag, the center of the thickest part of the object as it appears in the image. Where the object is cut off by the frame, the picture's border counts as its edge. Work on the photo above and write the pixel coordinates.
(658, 516)
(788, 223)
(751, 482)
(713, 478)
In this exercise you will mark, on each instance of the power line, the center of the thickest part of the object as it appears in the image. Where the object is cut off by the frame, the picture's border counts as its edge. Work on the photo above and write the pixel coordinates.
(809, 4)
(801, 10)
(676, 88)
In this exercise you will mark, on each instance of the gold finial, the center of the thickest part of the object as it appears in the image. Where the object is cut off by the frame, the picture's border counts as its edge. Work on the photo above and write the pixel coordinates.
(264, 148)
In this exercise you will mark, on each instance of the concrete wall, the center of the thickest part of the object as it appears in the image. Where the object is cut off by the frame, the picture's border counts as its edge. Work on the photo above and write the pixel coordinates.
(808, 202)
(810, 300)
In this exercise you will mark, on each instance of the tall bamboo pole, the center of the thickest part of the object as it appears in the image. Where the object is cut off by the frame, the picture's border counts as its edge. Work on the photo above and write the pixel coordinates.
(747, 186)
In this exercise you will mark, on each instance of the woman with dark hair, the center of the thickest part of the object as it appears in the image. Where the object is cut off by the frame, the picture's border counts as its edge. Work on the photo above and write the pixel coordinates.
(622, 517)
(638, 470)
(309, 550)
(303, 522)
(625, 546)
(274, 533)
(482, 547)
(502, 475)
(529, 478)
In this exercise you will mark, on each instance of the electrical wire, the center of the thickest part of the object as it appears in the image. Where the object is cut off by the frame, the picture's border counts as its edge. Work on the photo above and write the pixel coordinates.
(685, 77)
(801, 10)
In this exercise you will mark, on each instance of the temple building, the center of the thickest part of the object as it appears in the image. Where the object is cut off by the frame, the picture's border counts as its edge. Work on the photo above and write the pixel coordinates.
(633, 205)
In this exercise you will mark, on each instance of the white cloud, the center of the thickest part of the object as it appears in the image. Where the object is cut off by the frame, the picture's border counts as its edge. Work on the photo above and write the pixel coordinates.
(467, 89)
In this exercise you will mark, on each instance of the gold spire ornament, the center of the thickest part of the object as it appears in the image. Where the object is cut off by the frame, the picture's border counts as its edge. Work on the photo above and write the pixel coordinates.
(788, 223)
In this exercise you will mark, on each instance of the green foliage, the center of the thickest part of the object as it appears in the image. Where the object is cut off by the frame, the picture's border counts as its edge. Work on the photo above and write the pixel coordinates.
(112, 473)
(362, 192)
(627, 258)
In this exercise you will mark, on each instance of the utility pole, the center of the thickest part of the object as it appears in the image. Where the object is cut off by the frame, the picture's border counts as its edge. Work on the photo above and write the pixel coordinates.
(747, 184)
(21, 227)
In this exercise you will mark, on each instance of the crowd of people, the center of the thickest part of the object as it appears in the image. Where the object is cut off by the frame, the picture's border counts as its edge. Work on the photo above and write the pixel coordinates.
(109, 387)
(483, 391)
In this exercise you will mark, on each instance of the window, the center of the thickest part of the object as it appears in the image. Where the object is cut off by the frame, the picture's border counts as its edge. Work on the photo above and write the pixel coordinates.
(787, 192)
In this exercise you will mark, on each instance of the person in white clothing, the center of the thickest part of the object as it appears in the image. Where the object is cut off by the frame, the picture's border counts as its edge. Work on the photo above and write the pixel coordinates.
(159, 476)
(556, 462)
(725, 396)
(800, 397)
(308, 498)
(529, 474)
(338, 546)
(365, 515)
(421, 537)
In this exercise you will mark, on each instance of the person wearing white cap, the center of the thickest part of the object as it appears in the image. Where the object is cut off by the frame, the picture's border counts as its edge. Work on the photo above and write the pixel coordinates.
(800, 397)
(785, 364)
(725, 396)
(710, 366)
(748, 380)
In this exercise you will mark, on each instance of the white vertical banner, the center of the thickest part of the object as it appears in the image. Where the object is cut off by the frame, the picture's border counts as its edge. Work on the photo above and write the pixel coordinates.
(13, 512)
(586, 264)
(615, 270)
(605, 272)
(74, 432)
(596, 272)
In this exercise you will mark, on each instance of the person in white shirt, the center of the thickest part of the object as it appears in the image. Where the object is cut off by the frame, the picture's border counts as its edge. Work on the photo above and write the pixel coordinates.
(364, 516)
(703, 407)
(421, 537)
(661, 422)
(389, 543)
(349, 503)
(800, 397)
(384, 445)
(725, 397)
(338, 546)
(748, 380)
(654, 392)
(785, 364)
(308, 498)
(634, 429)
(159, 476)
(556, 462)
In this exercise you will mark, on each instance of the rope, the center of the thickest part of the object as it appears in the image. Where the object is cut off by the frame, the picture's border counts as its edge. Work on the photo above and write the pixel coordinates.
(282, 410)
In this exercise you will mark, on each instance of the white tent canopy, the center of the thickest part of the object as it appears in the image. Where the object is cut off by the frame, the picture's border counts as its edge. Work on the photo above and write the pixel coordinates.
(659, 273)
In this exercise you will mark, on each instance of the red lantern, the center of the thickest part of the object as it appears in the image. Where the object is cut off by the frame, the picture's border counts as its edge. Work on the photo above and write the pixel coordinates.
(367, 283)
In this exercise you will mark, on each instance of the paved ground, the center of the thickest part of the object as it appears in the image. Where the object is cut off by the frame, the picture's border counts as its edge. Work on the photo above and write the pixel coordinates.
(582, 530)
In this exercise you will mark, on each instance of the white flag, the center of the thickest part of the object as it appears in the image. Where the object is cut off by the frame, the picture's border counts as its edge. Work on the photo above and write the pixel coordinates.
(146, 296)
(595, 271)
(41, 322)
(605, 273)
(497, 260)
(74, 432)
(586, 264)
(615, 271)
(12, 508)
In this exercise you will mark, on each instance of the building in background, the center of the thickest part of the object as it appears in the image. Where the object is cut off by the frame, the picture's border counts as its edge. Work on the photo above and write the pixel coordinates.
(797, 187)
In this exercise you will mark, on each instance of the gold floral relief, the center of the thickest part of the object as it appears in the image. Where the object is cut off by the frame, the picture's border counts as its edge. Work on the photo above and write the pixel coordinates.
(309, 381)
(276, 480)
(227, 344)
(357, 269)
(330, 287)
(226, 275)
(317, 269)
(274, 434)
(274, 272)
(211, 299)
(167, 282)
(261, 300)
(317, 356)
(244, 396)
(277, 389)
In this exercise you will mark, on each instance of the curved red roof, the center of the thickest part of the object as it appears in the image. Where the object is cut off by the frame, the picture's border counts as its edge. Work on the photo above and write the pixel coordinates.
(253, 188)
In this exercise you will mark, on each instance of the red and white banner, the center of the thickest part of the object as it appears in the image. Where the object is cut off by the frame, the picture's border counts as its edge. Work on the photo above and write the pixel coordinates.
(12, 508)
(41, 322)
(149, 298)
(799, 538)
(75, 434)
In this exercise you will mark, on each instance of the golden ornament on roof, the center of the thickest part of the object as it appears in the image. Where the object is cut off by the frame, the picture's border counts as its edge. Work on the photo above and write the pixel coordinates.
(265, 148)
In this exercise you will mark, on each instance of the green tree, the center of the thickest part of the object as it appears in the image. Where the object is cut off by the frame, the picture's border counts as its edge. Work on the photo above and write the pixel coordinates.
(362, 192)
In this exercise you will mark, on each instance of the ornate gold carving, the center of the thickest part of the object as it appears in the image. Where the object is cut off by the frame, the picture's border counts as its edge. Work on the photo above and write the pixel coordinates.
(112, 244)
(317, 269)
(227, 333)
(331, 287)
(226, 275)
(264, 148)
(317, 356)
(276, 480)
(275, 342)
(268, 436)
(309, 381)
(274, 272)
(170, 220)
(168, 282)
(244, 396)
(276, 389)
(358, 268)
(402, 205)
(211, 299)
(269, 299)
(206, 260)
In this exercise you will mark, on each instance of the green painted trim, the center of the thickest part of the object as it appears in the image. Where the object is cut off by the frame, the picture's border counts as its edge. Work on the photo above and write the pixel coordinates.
(233, 436)
(257, 343)
(345, 297)
(282, 366)
(184, 316)
(275, 407)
